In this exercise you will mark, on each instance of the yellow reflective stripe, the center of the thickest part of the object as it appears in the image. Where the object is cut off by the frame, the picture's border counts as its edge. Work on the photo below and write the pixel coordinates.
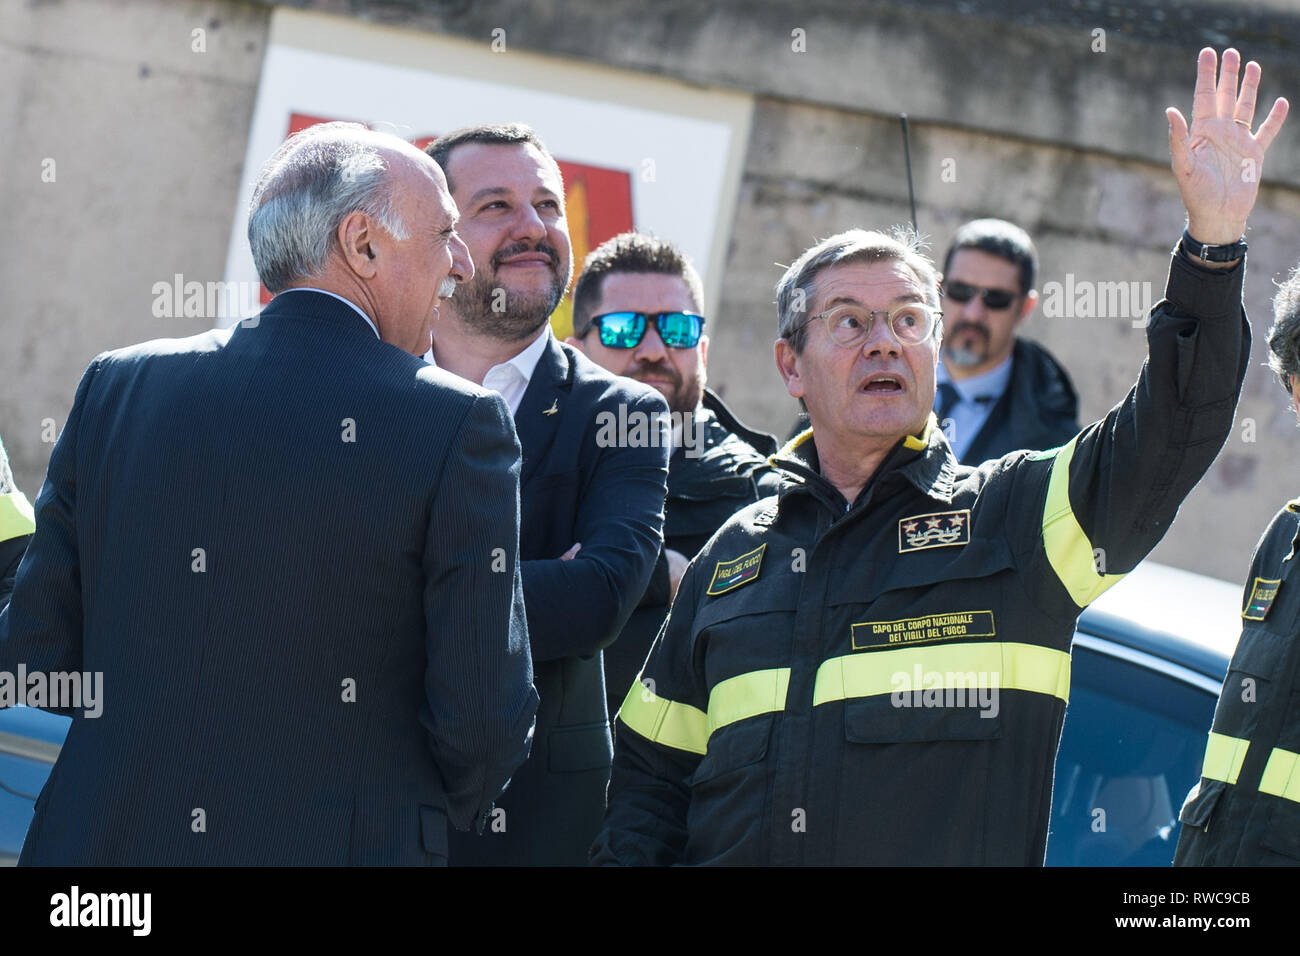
(1281, 778)
(747, 695)
(16, 516)
(1224, 756)
(1008, 666)
(1068, 547)
(663, 721)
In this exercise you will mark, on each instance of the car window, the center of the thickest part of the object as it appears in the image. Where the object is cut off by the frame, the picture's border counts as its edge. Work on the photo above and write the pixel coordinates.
(1130, 750)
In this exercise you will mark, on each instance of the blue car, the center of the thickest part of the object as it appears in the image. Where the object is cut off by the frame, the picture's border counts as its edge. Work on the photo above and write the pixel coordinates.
(1149, 657)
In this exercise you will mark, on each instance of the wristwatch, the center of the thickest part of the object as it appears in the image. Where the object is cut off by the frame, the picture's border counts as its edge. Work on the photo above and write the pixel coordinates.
(1211, 253)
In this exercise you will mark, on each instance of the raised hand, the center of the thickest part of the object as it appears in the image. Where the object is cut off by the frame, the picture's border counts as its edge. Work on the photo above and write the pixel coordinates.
(1218, 163)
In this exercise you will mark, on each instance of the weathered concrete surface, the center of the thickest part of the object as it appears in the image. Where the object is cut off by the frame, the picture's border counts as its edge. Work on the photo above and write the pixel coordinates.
(147, 137)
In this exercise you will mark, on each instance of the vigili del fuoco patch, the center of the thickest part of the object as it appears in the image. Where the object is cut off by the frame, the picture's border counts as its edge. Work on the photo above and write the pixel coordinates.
(729, 575)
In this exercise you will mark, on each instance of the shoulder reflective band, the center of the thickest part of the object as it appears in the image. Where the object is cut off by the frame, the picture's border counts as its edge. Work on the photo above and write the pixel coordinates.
(1224, 756)
(1068, 548)
(16, 516)
(666, 722)
(1282, 775)
(1028, 667)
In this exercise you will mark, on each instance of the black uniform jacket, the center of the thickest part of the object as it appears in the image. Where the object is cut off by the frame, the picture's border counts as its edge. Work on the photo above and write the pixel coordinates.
(708, 482)
(1245, 811)
(884, 682)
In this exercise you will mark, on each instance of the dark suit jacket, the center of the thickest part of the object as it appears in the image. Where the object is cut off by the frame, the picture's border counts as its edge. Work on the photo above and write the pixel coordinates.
(575, 487)
(1038, 410)
(307, 655)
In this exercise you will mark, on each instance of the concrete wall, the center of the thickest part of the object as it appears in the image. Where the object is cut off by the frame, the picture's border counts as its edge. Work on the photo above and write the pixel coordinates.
(1012, 99)
(147, 141)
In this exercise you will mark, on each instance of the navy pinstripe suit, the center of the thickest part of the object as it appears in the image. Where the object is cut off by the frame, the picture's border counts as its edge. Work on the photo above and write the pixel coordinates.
(308, 654)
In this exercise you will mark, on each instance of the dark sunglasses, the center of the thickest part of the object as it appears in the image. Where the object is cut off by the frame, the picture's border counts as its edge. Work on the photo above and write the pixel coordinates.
(993, 298)
(625, 330)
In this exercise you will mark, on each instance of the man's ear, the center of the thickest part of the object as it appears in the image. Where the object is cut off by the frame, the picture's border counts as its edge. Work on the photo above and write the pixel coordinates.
(355, 235)
(1028, 306)
(787, 363)
(577, 344)
(704, 351)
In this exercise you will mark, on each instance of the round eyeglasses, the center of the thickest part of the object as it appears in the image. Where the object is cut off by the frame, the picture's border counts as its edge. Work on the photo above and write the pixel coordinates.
(849, 325)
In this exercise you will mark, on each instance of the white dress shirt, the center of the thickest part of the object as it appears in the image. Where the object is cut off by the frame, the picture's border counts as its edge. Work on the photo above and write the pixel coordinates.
(977, 397)
(369, 321)
(510, 379)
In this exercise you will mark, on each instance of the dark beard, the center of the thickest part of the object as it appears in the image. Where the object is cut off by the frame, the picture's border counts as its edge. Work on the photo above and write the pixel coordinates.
(516, 316)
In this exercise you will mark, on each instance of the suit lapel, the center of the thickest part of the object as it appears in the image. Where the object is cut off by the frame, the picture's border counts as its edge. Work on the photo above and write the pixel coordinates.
(543, 406)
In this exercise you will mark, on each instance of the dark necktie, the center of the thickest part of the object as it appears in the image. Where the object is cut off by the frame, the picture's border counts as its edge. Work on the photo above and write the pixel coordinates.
(947, 398)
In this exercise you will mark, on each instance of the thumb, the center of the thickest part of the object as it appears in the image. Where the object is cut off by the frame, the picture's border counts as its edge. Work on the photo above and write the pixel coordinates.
(1179, 150)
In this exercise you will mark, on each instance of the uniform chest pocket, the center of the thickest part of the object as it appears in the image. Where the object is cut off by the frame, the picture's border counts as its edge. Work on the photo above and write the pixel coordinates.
(1259, 652)
(923, 715)
(733, 747)
(968, 568)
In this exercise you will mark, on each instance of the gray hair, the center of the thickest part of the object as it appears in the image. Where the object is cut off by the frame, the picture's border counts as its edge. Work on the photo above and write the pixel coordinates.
(316, 178)
(1284, 336)
(794, 289)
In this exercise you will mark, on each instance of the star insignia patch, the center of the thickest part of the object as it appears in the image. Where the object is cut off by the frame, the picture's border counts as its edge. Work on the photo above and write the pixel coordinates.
(944, 529)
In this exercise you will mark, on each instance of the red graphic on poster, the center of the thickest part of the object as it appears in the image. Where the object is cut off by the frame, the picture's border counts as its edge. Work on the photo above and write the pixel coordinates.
(598, 205)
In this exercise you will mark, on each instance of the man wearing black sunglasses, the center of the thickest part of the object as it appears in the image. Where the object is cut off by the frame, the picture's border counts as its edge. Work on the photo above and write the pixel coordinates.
(997, 392)
(636, 313)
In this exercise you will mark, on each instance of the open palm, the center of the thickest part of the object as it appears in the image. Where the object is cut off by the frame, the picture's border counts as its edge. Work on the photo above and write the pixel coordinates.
(1218, 162)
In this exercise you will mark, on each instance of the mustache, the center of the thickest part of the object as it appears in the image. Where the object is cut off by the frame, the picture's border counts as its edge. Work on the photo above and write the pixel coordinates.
(446, 288)
(659, 369)
(960, 327)
(513, 250)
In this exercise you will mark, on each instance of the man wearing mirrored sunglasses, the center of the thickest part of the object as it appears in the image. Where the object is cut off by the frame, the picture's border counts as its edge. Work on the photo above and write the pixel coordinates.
(997, 392)
(636, 313)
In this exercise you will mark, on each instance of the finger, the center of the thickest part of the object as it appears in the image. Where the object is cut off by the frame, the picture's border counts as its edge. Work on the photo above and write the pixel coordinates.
(1245, 108)
(1178, 149)
(571, 553)
(1203, 101)
(1272, 122)
(1225, 97)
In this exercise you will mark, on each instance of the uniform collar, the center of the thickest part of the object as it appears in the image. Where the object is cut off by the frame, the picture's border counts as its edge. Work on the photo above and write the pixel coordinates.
(926, 461)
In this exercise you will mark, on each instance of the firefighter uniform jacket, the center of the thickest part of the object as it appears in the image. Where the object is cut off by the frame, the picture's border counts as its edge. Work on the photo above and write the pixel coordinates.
(884, 682)
(1245, 811)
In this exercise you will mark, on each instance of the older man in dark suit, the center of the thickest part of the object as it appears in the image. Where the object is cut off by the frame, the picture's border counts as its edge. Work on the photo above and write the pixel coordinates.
(592, 486)
(291, 550)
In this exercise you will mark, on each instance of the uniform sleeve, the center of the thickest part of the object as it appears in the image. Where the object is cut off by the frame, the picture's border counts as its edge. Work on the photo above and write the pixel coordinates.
(1113, 490)
(41, 627)
(478, 678)
(577, 607)
(662, 734)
